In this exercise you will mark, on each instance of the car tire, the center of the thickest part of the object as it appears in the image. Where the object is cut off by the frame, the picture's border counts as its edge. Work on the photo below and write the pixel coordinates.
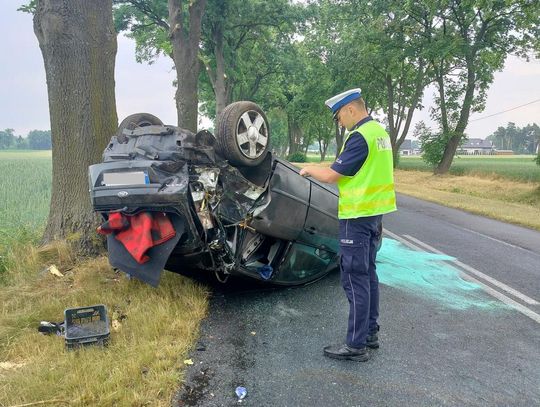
(138, 120)
(243, 134)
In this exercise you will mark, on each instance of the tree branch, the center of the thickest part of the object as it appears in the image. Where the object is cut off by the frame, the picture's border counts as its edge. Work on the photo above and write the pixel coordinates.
(145, 8)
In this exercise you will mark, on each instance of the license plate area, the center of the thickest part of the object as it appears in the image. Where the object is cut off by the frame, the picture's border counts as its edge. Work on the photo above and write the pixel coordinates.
(125, 178)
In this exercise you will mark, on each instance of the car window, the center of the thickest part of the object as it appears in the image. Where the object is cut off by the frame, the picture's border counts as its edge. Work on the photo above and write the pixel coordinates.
(303, 262)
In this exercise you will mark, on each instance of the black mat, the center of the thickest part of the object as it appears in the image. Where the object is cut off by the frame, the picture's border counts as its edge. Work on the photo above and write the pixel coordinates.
(149, 272)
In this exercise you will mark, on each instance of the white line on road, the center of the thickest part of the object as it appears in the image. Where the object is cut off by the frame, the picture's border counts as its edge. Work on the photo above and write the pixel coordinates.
(494, 293)
(399, 238)
(496, 240)
(477, 273)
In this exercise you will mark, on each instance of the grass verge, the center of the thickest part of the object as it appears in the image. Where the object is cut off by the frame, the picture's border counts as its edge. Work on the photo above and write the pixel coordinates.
(152, 332)
(494, 197)
(521, 168)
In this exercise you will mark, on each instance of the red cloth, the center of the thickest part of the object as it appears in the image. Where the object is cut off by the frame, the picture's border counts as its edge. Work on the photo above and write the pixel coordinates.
(143, 231)
(115, 223)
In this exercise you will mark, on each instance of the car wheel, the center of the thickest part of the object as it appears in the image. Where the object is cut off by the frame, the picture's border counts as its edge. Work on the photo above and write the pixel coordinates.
(243, 134)
(137, 120)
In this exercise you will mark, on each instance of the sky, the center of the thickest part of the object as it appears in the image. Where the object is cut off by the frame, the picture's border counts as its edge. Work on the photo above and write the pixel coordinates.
(148, 88)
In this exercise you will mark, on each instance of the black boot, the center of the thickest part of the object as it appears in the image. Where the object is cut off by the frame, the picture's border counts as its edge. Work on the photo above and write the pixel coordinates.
(345, 352)
(372, 340)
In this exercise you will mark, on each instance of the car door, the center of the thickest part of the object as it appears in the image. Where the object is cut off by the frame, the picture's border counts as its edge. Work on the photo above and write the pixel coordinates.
(321, 225)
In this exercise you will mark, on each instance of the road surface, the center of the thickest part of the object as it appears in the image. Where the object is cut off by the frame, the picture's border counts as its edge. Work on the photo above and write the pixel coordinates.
(460, 325)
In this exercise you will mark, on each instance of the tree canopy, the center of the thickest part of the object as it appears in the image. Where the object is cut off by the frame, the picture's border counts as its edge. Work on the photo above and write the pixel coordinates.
(290, 56)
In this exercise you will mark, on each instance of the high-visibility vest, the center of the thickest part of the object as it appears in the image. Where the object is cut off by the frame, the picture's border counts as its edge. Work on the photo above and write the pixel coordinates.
(370, 191)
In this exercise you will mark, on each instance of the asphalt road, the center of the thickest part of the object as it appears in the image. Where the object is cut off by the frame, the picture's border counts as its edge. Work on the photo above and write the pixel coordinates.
(455, 331)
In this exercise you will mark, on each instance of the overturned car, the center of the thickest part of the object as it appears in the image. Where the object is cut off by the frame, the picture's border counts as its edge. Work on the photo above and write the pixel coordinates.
(195, 203)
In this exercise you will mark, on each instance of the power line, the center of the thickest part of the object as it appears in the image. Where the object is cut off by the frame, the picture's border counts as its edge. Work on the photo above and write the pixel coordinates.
(504, 111)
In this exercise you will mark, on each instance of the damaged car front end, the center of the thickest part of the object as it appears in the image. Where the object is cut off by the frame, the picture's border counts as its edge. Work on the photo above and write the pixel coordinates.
(193, 203)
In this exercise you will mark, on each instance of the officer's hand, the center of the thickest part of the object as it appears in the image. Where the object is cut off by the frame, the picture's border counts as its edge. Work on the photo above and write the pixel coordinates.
(304, 172)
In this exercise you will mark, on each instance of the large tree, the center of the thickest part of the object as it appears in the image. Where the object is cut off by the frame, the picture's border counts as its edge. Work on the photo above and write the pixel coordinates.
(239, 44)
(243, 46)
(185, 35)
(78, 43)
(171, 27)
(470, 41)
(39, 140)
(395, 46)
(7, 138)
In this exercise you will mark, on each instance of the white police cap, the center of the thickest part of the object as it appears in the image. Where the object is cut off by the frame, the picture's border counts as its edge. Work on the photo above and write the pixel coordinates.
(337, 102)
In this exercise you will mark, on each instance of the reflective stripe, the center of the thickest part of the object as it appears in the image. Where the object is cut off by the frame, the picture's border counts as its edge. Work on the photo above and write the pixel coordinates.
(387, 205)
(348, 192)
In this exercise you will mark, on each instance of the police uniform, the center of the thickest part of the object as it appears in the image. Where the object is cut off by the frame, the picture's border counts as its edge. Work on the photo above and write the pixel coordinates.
(366, 192)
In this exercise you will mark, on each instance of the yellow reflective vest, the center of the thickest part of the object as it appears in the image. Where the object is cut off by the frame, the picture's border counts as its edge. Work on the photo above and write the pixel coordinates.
(370, 191)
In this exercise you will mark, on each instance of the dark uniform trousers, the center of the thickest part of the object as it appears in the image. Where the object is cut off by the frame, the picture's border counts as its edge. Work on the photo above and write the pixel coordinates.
(358, 248)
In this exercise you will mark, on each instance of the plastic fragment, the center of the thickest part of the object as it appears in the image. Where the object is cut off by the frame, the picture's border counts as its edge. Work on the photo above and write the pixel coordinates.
(241, 392)
(265, 271)
(253, 333)
(116, 325)
(54, 271)
(200, 346)
(188, 362)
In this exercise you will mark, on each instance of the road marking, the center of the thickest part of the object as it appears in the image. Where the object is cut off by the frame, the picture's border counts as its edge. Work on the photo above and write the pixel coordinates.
(496, 240)
(477, 273)
(400, 239)
(494, 293)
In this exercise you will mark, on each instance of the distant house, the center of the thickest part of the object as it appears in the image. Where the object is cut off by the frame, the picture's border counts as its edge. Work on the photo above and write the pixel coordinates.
(406, 148)
(477, 146)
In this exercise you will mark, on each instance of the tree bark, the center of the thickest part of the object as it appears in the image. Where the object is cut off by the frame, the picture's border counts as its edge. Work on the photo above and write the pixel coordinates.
(340, 133)
(295, 135)
(185, 39)
(457, 134)
(419, 85)
(78, 44)
(323, 148)
(220, 85)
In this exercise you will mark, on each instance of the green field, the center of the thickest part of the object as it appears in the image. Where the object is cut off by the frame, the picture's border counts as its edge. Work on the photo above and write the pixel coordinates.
(25, 192)
(518, 167)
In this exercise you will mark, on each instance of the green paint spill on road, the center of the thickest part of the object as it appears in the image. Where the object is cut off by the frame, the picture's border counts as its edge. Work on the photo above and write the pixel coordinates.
(428, 275)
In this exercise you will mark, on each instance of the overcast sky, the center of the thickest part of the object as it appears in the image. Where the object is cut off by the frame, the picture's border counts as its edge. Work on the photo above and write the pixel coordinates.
(148, 88)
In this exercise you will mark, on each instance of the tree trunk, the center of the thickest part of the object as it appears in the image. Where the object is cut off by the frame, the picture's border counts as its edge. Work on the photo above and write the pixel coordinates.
(295, 135)
(78, 44)
(396, 138)
(340, 133)
(218, 79)
(185, 40)
(323, 148)
(457, 134)
(220, 85)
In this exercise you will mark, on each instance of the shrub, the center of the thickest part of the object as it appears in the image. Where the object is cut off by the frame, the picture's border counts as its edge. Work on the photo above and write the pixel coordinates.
(297, 157)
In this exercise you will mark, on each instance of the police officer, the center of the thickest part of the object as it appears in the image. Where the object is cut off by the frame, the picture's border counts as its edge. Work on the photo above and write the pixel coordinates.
(364, 176)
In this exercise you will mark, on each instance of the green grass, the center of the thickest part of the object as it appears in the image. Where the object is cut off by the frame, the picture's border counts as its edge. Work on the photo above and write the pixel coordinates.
(25, 189)
(316, 158)
(517, 168)
(25, 193)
